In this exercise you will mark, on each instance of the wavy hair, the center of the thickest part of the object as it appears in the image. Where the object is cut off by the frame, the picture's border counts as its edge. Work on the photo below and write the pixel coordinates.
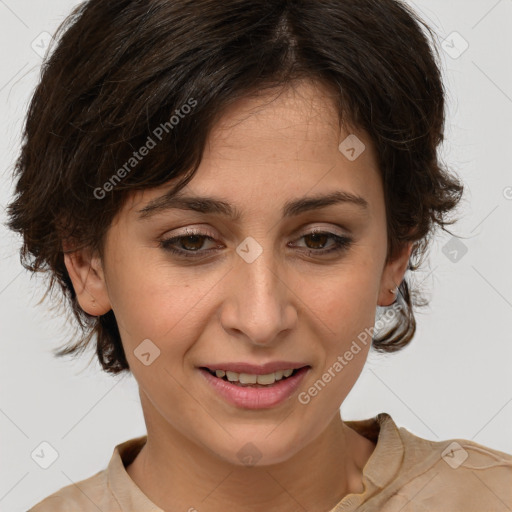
(118, 69)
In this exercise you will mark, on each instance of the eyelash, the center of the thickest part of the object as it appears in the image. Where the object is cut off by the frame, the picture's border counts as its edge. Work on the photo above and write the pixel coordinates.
(341, 244)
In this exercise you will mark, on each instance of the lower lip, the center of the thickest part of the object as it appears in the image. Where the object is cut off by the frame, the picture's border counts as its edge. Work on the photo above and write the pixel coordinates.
(256, 398)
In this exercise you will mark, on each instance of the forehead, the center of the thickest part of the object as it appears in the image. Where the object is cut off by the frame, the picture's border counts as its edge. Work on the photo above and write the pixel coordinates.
(278, 122)
(280, 144)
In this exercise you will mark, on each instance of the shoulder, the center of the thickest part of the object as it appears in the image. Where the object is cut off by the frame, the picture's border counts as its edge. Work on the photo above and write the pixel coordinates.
(456, 453)
(89, 494)
(456, 474)
(107, 490)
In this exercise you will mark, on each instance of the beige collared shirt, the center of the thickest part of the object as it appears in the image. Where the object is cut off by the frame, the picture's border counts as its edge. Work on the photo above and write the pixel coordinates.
(404, 473)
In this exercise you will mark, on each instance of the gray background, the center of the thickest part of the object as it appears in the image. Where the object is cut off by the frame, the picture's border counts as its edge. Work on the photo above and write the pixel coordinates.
(454, 381)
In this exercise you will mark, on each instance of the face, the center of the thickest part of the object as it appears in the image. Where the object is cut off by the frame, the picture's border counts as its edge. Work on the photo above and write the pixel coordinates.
(285, 281)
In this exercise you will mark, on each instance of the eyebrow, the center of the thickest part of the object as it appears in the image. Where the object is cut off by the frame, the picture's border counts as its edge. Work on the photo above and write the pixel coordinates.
(216, 206)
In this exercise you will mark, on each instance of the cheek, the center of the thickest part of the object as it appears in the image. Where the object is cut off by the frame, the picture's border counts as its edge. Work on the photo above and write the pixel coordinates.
(164, 304)
(145, 300)
(348, 292)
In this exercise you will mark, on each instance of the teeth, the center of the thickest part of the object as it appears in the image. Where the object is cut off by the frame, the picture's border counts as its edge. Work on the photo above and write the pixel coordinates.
(267, 379)
(246, 378)
(232, 376)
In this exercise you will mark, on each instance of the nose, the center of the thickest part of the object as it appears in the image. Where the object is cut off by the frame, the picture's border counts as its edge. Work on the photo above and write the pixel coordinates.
(260, 303)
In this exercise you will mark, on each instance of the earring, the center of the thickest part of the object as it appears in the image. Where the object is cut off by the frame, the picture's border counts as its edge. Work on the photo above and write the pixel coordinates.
(393, 291)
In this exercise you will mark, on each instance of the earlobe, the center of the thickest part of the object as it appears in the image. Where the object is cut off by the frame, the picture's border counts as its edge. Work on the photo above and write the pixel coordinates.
(393, 275)
(86, 273)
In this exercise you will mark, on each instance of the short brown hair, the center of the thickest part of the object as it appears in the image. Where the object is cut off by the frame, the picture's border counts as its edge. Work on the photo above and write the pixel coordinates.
(122, 68)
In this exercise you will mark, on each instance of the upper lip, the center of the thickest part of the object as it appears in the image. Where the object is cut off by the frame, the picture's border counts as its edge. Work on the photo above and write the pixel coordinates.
(255, 369)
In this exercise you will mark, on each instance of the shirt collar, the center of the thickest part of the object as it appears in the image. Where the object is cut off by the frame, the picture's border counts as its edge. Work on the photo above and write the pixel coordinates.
(387, 457)
(379, 470)
(128, 495)
(382, 465)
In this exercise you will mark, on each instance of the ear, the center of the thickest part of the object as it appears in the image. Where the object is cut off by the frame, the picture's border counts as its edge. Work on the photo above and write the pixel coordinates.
(393, 274)
(86, 273)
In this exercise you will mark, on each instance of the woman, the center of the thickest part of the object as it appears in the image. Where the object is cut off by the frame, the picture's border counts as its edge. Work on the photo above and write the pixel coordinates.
(225, 192)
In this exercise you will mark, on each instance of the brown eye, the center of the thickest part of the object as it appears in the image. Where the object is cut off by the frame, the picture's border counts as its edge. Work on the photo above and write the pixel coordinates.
(188, 246)
(191, 245)
(192, 242)
(318, 239)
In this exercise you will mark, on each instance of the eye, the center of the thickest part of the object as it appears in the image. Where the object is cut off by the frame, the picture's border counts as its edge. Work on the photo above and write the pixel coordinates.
(320, 238)
(191, 245)
(188, 244)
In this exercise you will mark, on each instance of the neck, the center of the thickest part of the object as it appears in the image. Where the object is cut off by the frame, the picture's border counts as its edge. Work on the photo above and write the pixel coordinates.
(177, 474)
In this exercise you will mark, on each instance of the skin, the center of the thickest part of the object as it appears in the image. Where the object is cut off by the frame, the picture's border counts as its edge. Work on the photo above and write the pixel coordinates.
(286, 305)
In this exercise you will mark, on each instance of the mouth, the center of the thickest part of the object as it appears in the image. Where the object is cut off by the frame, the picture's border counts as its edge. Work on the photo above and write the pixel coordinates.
(253, 380)
(257, 390)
